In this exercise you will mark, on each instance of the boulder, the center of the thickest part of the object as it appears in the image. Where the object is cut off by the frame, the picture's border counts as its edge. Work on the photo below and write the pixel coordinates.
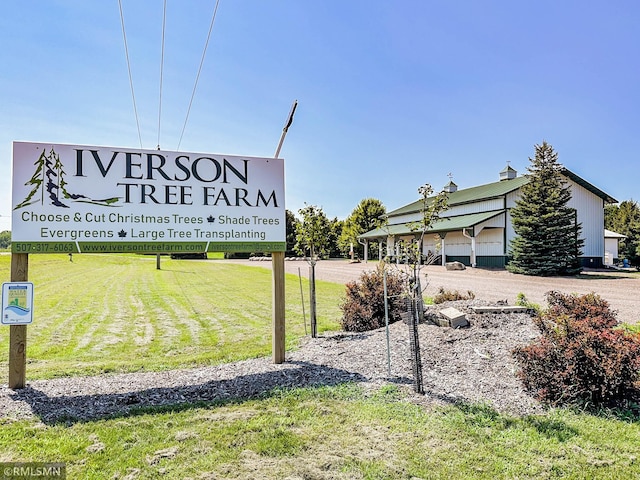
(455, 266)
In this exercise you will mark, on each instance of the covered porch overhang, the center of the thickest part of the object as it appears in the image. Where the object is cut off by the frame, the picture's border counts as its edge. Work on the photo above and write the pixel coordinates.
(470, 225)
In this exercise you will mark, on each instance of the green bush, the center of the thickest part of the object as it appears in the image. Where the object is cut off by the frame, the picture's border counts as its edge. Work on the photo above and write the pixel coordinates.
(581, 357)
(363, 307)
(448, 296)
(523, 301)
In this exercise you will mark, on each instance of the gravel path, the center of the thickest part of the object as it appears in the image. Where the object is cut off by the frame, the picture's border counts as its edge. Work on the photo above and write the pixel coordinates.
(621, 289)
(470, 364)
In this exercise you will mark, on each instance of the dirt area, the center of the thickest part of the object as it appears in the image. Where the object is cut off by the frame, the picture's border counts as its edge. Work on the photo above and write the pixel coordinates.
(621, 289)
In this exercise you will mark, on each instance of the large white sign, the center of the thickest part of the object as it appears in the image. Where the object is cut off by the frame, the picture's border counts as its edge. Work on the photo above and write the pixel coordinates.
(75, 198)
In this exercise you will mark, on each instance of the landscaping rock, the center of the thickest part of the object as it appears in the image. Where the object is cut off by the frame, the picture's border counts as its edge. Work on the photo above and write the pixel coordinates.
(452, 317)
(455, 266)
(497, 309)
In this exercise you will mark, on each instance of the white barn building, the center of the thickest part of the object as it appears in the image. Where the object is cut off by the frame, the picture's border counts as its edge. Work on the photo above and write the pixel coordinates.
(476, 227)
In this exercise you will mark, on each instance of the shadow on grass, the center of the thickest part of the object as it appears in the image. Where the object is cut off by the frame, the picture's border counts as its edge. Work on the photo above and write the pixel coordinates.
(70, 409)
(484, 416)
(606, 275)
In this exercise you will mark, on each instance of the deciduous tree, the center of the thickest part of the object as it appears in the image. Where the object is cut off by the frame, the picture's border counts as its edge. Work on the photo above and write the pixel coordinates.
(291, 224)
(625, 219)
(367, 215)
(313, 241)
(5, 239)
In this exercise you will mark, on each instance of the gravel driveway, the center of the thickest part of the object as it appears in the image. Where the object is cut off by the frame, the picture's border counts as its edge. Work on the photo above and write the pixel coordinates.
(621, 289)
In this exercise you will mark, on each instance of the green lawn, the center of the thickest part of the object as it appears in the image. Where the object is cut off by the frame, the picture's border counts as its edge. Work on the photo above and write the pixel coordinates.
(328, 433)
(106, 313)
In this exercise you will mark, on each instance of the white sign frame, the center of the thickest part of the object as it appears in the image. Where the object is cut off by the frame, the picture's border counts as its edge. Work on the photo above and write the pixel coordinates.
(17, 309)
(90, 199)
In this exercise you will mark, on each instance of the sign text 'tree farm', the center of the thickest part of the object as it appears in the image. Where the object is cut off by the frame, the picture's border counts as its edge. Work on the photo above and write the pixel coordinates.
(75, 198)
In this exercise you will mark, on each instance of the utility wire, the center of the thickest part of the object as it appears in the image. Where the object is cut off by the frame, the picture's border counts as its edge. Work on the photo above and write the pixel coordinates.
(164, 22)
(195, 85)
(126, 53)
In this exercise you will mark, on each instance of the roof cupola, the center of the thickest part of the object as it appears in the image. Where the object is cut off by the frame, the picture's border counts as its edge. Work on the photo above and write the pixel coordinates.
(508, 173)
(450, 187)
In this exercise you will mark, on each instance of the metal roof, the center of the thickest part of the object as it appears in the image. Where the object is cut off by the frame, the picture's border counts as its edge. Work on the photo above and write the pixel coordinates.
(444, 224)
(469, 195)
(610, 234)
(498, 189)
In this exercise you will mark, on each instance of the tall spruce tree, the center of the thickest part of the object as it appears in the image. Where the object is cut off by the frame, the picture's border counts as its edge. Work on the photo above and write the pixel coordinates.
(547, 241)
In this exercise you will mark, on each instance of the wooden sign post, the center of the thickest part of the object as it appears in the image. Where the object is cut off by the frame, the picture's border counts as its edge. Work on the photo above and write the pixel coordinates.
(278, 315)
(18, 333)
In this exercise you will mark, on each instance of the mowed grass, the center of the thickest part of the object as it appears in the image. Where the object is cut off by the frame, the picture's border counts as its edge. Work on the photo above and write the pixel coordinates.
(118, 313)
(332, 433)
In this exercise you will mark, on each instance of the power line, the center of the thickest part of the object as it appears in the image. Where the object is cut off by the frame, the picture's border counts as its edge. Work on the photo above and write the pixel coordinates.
(126, 52)
(195, 85)
(164, 21)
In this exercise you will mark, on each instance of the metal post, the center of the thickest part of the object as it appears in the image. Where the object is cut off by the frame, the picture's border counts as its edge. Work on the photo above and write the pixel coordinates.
(312, 299)
(286, 127)
(304, 314)
(386, 320)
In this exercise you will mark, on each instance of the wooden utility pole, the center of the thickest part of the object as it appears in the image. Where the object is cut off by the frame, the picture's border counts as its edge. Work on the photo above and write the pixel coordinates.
(18, 333)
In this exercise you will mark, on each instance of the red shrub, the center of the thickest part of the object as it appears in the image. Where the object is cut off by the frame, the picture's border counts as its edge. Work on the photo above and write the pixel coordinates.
(580, 356)
(363, 307)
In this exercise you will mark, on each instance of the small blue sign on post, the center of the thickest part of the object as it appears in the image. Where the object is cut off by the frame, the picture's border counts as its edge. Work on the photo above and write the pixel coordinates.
(17, 303)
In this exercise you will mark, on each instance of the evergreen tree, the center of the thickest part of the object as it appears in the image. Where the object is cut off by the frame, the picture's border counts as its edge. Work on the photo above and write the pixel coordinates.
(37, 182)
(547, 241)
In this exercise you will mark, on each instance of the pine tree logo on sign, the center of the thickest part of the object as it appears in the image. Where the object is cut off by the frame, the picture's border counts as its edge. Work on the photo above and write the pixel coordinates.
(49, 181)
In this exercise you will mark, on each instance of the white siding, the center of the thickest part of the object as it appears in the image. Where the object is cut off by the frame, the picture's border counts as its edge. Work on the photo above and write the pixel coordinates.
(457, 244)
(611, 250)
(407, 218)
(431, 243)
(477, 207)
(497, 221)
(590, 209)
(512, 197)
(489, 242)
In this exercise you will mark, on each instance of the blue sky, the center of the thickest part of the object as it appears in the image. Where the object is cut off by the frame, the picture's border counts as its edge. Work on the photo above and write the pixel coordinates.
(392, 94)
